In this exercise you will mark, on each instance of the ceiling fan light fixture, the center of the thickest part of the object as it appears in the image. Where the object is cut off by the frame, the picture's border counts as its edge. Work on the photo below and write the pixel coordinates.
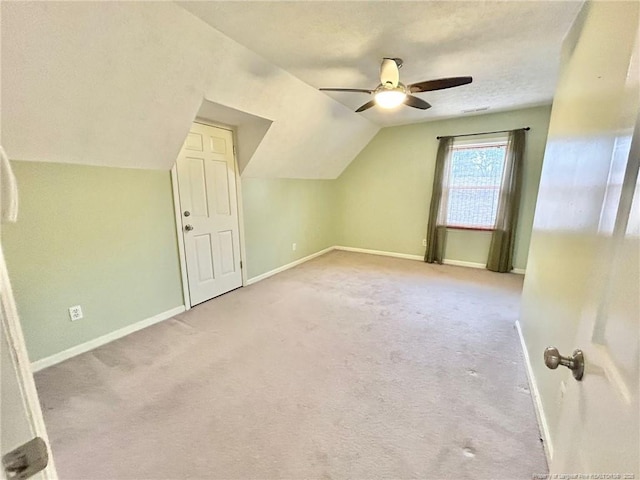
(390, 98)
(390, 93)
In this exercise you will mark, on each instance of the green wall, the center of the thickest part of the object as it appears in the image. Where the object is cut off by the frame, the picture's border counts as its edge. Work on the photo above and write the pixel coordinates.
(103, 238)
(280, 212)
(384, 194)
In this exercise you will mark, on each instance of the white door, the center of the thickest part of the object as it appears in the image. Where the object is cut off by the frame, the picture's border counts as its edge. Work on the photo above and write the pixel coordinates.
(209, 211)
(589, 211)
(20, 414)
(599, 423)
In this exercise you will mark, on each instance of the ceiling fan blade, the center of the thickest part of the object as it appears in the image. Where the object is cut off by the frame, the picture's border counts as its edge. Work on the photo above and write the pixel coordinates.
(416, 102)
(439, 84)
(361, 90)
(366, 106)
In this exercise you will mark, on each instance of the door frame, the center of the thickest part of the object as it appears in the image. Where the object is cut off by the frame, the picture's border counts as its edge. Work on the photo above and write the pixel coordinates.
(178, 214)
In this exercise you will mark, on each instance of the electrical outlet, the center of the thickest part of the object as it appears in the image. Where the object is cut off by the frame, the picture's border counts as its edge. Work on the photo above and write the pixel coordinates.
(424, 242)
(75, 313)
(294, 246)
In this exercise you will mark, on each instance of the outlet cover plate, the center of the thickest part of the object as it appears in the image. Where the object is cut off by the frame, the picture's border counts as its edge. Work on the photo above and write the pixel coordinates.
(75, 313)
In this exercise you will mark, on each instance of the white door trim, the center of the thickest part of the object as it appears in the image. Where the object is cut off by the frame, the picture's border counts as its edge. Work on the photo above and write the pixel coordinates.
(178, 216)
(243, 251)
(177, 213)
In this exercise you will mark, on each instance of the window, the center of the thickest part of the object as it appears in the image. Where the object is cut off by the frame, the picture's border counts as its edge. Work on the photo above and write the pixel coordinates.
(475, 176)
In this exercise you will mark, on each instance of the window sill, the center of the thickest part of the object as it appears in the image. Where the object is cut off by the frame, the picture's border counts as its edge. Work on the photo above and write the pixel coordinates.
(474, 229)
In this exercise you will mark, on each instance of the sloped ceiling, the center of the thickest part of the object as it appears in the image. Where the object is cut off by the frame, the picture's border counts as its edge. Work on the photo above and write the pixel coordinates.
(118, 84)
(249, 129)
(511, 48)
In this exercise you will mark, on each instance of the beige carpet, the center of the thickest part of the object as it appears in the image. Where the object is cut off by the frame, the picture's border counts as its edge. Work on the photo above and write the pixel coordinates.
(348, 366)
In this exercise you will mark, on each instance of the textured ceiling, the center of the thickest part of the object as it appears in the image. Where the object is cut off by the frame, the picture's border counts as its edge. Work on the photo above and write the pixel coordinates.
(511, 49)
(119, 83)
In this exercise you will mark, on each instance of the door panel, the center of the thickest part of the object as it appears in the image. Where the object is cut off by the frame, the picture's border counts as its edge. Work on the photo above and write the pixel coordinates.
(583, 278)
(208, 202)
(598, 426)
(226, 252)
(20, 412)
(194, 142)
(599, 422)
(197, 197)
(204, 247)
(218, 145)
(221, 188)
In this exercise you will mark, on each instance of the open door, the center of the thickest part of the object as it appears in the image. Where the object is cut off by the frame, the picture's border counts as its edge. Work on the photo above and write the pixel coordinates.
(582, 289)
(598, 431)
(24, 444)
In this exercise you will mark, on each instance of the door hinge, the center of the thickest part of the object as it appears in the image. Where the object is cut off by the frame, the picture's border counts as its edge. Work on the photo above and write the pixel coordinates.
(234, 150)
(240, 264)
(26, 460)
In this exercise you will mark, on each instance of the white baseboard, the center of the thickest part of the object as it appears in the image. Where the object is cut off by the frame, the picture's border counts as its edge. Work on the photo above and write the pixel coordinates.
(446, 261)
(407, 256)
(537, 402)
(460, 263)
(109, 337)
(270, 273)
(104, 339)
(380, 252)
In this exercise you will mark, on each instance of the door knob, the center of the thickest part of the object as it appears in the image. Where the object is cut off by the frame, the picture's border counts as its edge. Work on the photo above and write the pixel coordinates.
(188, 227)
(26, 460)
(575, 362)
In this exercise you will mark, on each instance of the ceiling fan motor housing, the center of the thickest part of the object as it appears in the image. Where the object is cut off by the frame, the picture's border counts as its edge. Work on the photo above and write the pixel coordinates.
(389, 74)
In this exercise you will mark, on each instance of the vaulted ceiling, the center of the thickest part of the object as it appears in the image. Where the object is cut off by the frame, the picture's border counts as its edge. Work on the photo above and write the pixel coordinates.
(119, 83)
(510, 48)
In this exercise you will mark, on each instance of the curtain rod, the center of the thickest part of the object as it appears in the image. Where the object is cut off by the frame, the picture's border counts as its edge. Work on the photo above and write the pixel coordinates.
(484, 133)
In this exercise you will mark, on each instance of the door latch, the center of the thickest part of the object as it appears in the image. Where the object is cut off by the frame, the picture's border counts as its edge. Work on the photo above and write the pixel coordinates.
(26, 460)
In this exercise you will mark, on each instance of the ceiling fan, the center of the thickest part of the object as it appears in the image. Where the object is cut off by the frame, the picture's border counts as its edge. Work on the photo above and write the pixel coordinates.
(391, 93)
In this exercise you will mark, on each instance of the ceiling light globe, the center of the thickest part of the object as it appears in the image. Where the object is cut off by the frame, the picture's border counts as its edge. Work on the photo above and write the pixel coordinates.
(390, 98)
